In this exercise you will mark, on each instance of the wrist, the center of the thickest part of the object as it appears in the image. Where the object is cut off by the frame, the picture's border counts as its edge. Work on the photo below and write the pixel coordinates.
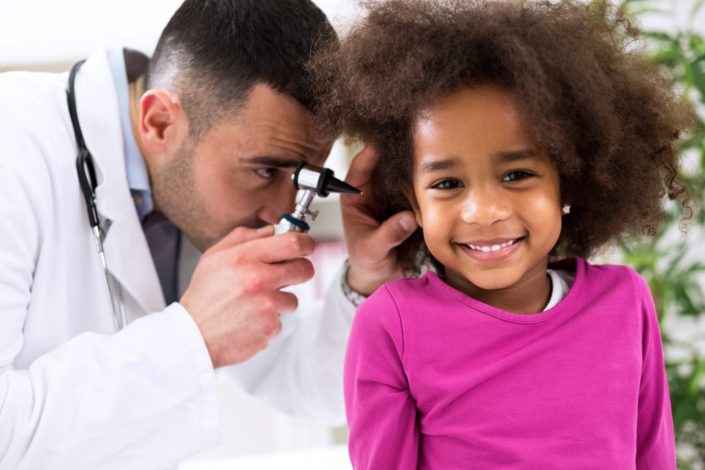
(365, 283)
(355, 296)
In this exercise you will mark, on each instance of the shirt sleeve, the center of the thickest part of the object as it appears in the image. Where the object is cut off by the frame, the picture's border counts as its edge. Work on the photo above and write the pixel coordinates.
(142, 398)
(655, 436)
(301, 370)
(381, 412)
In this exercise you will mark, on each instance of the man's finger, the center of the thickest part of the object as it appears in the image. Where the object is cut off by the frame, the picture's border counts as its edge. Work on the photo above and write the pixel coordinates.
(288, 246)
(241, 235)
(274, 250)
(286, 303)
(362, 166)
(290, 273)
(396, 229)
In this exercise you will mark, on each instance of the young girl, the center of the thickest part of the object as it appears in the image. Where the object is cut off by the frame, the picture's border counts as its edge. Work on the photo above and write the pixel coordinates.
(518, 133)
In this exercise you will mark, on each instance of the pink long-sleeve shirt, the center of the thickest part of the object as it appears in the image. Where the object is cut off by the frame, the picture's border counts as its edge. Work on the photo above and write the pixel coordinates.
(437, 380)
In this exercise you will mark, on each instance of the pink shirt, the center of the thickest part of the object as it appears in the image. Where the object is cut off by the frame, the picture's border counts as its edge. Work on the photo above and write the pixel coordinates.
(437, 380)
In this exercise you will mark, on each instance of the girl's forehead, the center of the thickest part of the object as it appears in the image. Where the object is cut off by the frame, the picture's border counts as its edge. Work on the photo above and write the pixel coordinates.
(480, 117)
(478, 127)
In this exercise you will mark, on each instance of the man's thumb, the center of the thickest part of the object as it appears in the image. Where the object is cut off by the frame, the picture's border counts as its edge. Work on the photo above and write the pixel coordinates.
(398, 228)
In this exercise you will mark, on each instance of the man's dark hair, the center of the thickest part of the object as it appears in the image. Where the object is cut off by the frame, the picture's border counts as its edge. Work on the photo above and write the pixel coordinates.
(213, 52)
(607, 118)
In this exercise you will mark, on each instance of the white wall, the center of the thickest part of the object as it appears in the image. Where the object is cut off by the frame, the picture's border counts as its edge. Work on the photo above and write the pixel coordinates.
(36, 32)
(57, 32)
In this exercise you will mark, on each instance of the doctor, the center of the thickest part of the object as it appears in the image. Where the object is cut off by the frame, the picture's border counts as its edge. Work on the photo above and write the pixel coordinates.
(193, 151)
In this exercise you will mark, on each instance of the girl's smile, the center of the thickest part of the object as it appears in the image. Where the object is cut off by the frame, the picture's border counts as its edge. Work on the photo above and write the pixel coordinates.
(492, 250)
(487, 197)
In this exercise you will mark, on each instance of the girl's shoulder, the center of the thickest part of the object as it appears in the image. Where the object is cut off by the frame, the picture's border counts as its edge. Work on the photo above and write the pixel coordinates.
(614, 275)
(595, 273)
(403, 297)
(606, 281)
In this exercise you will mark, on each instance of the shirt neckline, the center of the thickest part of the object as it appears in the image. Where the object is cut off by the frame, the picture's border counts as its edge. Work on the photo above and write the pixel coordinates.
(578, 264)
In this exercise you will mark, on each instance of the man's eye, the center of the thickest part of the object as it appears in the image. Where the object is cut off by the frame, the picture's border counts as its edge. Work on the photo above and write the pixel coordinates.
(516, 176)
(266, 173)
(446, 184)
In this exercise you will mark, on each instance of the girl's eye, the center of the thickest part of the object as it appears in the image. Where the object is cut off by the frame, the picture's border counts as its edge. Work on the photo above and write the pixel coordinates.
(266, 173)
(446, 184)
(517, 175)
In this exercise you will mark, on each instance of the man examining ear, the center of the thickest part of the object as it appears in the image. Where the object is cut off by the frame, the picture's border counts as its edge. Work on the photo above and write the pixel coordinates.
(193, 152)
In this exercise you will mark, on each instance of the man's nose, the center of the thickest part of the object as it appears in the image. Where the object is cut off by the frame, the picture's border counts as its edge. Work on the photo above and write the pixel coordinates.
(279, 203)
(485, 206)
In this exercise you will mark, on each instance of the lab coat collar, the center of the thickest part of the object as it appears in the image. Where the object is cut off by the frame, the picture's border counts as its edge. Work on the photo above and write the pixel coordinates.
(128, 256)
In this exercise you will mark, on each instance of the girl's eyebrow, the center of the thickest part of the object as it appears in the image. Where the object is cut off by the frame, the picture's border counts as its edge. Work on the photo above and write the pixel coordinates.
(509, 157)
(517, 155)
(436, 165)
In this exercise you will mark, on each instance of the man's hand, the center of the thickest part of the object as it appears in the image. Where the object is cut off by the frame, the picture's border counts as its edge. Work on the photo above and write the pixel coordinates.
(234, 296)
(371, 244)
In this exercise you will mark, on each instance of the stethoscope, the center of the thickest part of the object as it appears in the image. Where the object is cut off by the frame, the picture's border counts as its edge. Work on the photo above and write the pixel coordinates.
(88, 182)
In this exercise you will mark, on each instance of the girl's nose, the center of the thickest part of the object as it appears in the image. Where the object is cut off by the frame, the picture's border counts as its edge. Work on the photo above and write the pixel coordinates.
(485, 206)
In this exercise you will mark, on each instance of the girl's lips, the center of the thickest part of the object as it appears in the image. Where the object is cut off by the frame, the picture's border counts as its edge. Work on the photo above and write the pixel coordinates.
(495, 250)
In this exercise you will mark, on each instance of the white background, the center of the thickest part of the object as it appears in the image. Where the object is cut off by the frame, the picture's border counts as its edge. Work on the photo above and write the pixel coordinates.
(55, 32)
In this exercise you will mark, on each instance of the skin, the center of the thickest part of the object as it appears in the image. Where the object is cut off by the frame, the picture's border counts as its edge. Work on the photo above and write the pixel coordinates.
(480, 179)
(225, 189)
(239, 173)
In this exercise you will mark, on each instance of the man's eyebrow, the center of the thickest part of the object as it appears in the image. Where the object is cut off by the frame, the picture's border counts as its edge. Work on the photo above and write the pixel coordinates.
(436, 165)
(274, 162)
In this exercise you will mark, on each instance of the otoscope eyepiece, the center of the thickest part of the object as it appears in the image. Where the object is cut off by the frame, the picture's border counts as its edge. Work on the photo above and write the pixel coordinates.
(313, 181)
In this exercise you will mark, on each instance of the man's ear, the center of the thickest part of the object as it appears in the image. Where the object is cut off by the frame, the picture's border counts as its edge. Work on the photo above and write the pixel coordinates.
(162, 123)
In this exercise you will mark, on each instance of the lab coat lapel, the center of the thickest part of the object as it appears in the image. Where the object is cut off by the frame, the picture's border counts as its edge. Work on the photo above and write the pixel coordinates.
(127, 253)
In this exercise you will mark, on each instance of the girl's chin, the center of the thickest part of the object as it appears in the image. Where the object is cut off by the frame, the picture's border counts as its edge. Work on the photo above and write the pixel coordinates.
(490, 282)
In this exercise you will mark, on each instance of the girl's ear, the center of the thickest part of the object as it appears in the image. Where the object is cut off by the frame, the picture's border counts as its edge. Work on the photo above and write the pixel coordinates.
(409, 194)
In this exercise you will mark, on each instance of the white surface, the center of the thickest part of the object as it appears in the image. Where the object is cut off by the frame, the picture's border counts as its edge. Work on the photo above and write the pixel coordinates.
(52, 32)
(43, 32)
(328, 458)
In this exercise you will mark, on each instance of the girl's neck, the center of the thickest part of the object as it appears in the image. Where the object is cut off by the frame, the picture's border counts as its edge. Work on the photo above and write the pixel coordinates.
(530, 295)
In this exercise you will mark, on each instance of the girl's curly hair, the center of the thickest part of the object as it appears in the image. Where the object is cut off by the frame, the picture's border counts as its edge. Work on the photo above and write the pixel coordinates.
(608, 119)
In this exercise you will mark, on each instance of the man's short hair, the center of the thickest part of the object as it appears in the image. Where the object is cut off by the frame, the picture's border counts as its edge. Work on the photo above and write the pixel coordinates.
(213, 52)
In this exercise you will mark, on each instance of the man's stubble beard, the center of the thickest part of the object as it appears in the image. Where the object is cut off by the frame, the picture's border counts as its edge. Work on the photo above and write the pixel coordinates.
(174, 194)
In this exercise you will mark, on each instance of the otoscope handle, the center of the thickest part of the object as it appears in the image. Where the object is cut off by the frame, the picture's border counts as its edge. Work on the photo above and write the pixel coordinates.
(289, 223)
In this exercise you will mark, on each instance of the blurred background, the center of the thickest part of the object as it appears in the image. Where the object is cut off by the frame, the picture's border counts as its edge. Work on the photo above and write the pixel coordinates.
(50, 35)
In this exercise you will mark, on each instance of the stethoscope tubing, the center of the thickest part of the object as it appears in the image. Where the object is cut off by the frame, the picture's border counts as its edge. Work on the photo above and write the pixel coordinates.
(88, 182)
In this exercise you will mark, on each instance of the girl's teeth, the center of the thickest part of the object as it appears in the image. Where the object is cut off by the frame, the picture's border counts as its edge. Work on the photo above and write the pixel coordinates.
(488, 249)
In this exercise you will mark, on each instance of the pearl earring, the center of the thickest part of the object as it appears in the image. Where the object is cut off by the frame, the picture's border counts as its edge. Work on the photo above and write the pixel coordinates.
(566, 209)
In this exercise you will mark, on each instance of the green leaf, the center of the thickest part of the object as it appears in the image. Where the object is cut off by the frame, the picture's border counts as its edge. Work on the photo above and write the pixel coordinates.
(697, 378)
(697, 71)
(659, 36)
(696, 43)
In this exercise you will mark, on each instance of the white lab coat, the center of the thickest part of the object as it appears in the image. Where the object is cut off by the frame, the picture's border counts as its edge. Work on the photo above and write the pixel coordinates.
(73, 393)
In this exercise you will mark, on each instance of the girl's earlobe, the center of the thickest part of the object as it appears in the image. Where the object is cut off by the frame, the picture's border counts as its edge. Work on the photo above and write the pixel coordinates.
(419, 219)
(411, 198)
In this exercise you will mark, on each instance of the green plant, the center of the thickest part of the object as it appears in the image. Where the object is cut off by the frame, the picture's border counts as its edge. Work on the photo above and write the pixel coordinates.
(669, 261)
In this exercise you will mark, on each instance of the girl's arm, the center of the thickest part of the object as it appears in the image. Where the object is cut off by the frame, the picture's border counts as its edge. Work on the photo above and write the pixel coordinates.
(655, 438)
(381, 412)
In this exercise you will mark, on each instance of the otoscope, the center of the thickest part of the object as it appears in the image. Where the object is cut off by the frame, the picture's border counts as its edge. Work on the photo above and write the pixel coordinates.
(314, 181)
